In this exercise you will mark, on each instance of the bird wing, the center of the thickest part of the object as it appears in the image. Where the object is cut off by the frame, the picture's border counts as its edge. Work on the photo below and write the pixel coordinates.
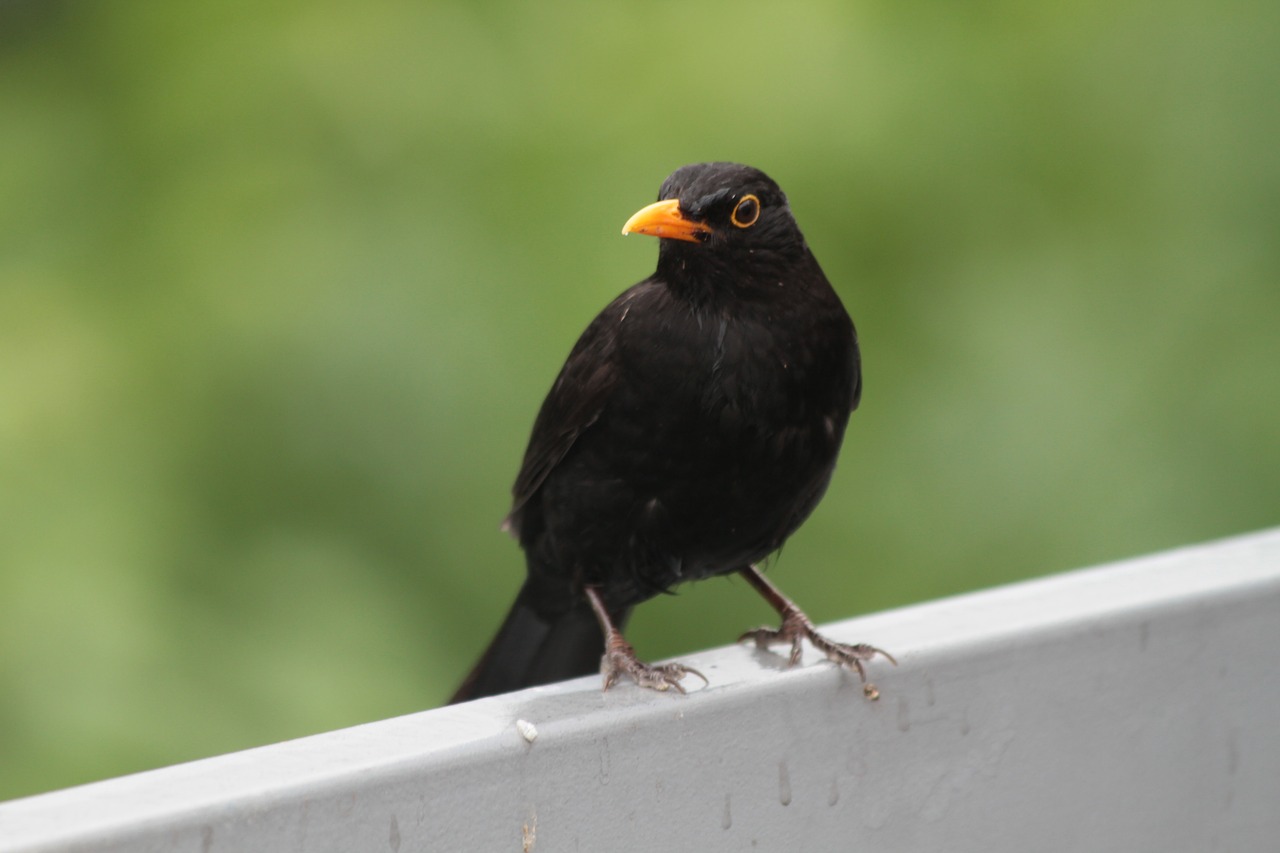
(575, 402)
(857, 375)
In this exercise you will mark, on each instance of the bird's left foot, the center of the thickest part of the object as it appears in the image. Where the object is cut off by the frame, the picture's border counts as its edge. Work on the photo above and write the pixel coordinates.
(796, 628)
(620, 659)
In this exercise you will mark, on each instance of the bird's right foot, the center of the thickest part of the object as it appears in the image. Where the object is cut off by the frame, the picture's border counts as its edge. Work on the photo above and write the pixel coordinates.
(620, 659)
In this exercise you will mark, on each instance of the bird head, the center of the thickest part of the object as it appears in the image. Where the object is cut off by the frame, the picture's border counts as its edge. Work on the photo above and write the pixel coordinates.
(716, 217)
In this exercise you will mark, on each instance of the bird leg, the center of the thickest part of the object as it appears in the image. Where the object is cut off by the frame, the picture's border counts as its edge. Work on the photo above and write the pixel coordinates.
(796, 626)
(620, 657)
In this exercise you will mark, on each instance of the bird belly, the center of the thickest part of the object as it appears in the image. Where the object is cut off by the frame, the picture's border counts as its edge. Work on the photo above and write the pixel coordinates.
(680, 483)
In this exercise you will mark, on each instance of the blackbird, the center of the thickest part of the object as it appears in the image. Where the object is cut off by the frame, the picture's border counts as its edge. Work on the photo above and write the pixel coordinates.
(693, 428)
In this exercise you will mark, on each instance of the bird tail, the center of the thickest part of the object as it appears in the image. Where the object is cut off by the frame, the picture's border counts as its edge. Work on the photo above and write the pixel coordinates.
(532, 648)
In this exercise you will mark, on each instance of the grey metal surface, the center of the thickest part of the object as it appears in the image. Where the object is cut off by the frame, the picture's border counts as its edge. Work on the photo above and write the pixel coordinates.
(1131, 707)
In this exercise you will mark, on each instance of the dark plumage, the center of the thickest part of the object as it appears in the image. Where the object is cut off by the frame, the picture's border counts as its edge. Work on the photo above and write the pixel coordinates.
(693, 428)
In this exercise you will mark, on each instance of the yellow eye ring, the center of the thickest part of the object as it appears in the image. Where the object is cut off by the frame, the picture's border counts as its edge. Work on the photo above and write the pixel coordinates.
(746, 212)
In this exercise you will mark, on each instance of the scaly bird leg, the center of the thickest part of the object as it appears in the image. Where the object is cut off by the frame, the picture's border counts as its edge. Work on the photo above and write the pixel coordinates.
(796, 627)
(620, 657)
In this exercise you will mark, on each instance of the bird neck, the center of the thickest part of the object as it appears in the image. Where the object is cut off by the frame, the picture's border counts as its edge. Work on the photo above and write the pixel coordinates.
(706, 277)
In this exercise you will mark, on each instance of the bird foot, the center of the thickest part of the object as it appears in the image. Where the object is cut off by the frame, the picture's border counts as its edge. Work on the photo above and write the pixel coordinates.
(796, 627)
(620, 658)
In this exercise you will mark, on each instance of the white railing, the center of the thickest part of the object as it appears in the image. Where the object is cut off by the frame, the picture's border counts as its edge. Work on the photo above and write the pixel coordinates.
(1130, 707)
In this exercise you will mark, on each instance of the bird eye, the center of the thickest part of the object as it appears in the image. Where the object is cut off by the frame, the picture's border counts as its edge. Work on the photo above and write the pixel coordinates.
(747, 212)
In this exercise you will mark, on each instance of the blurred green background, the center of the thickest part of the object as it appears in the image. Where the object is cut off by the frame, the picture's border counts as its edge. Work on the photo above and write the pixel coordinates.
(283, 284)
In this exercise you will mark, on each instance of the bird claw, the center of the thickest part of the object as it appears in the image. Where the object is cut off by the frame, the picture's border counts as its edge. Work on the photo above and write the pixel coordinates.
(797, 627)
(764, 637)
(621, 659)
(851, 655)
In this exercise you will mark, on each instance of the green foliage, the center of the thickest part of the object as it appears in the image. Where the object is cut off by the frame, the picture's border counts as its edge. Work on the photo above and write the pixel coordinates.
(282, 285)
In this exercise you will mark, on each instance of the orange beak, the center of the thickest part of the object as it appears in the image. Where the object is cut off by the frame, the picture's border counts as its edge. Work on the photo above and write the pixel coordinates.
(664, 219)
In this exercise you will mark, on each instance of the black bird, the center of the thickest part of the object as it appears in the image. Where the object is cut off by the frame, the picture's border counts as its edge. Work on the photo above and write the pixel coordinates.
(693, 428)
